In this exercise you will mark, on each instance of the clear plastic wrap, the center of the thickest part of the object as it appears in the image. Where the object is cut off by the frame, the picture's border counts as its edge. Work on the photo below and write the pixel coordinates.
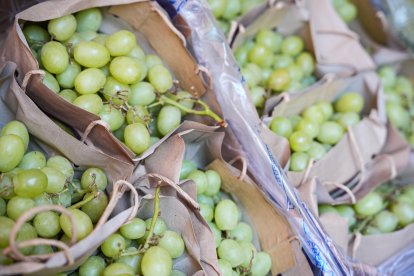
(212, 52)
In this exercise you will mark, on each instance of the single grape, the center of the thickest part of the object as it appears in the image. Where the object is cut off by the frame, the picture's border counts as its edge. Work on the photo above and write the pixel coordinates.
(54, 57)
(200, 180)
(95, 208)
(299, 161)
(16, 128)
(272, 40)
(89, 81)
(279, 80)
(213, 183)
(231, 251)
(397, 115)
(225, 267)
(113, 245)
(91, 54)
(94, 178)
(258, 96)
(217, 7)
(27, 232)
(206, 212)
(311, 128)
(50, 82)
(18, 205)
(42, 249)
(242, 232)
(282, 61)
(68, 95)
(323, 209)
(127, 70)
(316, 151)
(369, 205)
(186, 168)
(313, 113)
(142, 93)
(61, 164)
(120, 43)
(281, 126)
(347, 119)
(89, 102)
(56, 180)
(168, 119)
(404, 212)
(156, 261)
(306, 62)
(216, 233)
(173, 243)
(226, 215)
(30, 183)
(88, 20)
(137, 52)
(233, 8)
(349, 102)
(152, 60)
(261, 55)
(3, 207)
(326, 108)
(249, 252)
(347, 11)
(83, 224)
(112, 116)
(5, 229)
(66, 79)
(292, 45)
(160, 78)
(35, 34)
(47, 224)
(300, 141)
(63, 27)
(118, 269)
(159, 228)
(261, 265)
(42, 199)
(386, 221)
(252, 74)
(134, 229)
(137, 137)
(93, 266)
(330, 133)
(347, 212)
(116, 92)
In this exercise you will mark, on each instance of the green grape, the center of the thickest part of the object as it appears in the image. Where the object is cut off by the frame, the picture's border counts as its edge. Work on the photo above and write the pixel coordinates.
(159, 228)
(56, 180)
(404, 212)
(213, 183)
(160, 78)
(47, 224)
(347, 11)
(50, 82)
(94, 178)
(403, 86)
(68, 95)
(409, 191)
(369, 205)
(233, 8)
(311, 128)
(5, 229)
(120, 43)
(127, 70)
(112, 116)
(404, 198)
(137, 137)
(6, 186)
(27, 232)
(105, 70)
(326, 108)
(225, 267)
(89, 102)
(292, 45)
(66, 79)
(83, 224)
(119, 133)
(252, 74)
(30, 183)
(185, 99)
(113, 245)
(63, 27)
(90, 36)
(173, 243)
(18, 205)
(35, 34)
(266, 72)
(279, 80)
(95, 208)
(64, 199)
(242, 232)
(137, 52)
(118, 269)
(249, 252)
(330, 133)
(300, 141)
(294, 120)
(349, 102)
(89, 81)
(217, 7)
(72, 42)
(370, 230)
(156, 261)
(16, 128)
(186, 168)
(262, 264)
(134, 229)
(42, 249)
(91, 54)
(299, 161)
(347, 119)
(241, 56)
(260, 55)
(137, 114)
(231, 251)
(216, 233)
(88, 20)
(314, 114)
(3, 207)
(386, 221)
(134, 261)
(295, 73)
(347, 212)
(154, 140)
(115, 91)
(152, 60)
(306, 62)
(282, 61)
(61, 164)
(93, 266)
(397, 115)
(226, 215)
(323, 209)
(272, 40)
(200, 180)
(54, 57)
(206, 212)
(316, 151)
(281, 126)
(168, 119)
(142, 93)
(42, 199)
(258, 96)
(100, 38)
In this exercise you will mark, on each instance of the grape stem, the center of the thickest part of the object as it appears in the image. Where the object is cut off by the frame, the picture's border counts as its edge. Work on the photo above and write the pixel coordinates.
(154, 218)
(83, 202)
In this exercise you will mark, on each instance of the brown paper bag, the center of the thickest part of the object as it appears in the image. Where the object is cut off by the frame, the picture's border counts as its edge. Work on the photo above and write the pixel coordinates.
(153, 24)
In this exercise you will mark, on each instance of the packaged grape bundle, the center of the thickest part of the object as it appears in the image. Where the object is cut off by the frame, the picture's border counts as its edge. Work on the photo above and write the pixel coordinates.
(113, 73)
(340, 136)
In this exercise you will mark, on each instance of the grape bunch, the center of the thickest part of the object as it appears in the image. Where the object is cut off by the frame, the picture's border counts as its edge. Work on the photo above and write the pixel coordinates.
(399, 96)
(30, 179)
(319, 128)
(236, 252)
(112, 77)
(271, 63)
(226, 11)
(346, 10)
(384, 210)
(140, 247)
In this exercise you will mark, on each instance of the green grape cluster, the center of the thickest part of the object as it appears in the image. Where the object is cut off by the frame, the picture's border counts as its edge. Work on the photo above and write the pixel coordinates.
(272, 63)
(384, 210)
(112, 77)
(346, 10)
(319, 128)
(236, 252)
(136, 249)
(29, 179)
(226, 11)
(399, 97)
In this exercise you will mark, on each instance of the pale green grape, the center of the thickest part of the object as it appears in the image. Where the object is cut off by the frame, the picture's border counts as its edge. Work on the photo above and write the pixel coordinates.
(89, 102)
(16, 128)
(50, 81)
(137, 137)
(54, 57)
(226, 215)
(120, 43)
(66, 79)
(112, 116)
(91, 54)
(168, 119)
(63, 27)
(160, 78)
(88, 20)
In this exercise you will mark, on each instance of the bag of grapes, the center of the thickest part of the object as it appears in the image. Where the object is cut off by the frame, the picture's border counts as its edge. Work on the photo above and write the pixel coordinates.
(337, 132)
(103, 69)
(214, 178)
(53, 205)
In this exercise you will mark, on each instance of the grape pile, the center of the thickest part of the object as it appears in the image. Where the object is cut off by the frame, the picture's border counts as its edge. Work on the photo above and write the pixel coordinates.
(30, 180)
(346, 10)
(236, 252)
(384, 210)
(399, 96)
(319, 128)
(112, 77)
(226, 11)
(140, 247)
(272, 64)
